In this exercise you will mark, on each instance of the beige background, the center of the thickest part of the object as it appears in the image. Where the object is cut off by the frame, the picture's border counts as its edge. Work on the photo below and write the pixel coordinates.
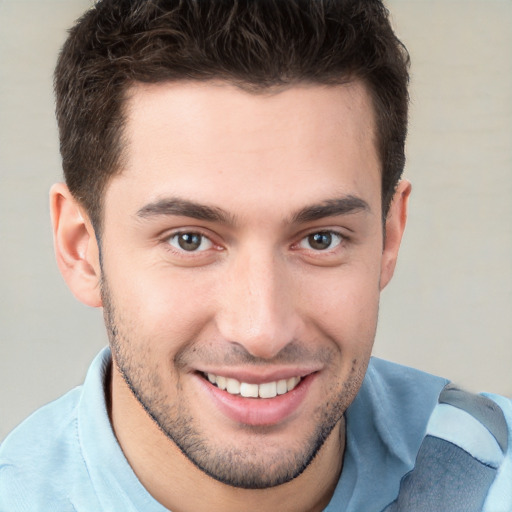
(448, 310)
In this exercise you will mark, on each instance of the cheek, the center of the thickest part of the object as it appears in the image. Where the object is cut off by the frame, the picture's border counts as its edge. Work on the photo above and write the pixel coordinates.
(344, 304)
(159, 306)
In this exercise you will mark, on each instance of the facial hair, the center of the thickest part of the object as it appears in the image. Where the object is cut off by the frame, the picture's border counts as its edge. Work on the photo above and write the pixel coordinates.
(258, 464)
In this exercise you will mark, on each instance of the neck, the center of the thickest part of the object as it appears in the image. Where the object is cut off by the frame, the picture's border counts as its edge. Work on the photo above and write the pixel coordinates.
(174, 481)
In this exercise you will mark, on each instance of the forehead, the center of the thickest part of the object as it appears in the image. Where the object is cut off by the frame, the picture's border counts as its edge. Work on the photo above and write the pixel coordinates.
(197, 139)
(213, 110)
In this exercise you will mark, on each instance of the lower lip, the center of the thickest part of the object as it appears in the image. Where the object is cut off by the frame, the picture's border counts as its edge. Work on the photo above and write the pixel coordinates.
(259, 411)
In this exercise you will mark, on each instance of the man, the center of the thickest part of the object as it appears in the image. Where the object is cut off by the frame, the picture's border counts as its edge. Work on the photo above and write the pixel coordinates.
(233, 202)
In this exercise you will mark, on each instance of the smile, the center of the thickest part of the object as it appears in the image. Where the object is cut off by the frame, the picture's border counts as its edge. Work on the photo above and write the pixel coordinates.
(247, 390)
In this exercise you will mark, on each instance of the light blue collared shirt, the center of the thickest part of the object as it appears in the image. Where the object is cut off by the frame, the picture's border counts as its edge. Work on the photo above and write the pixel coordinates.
(65, 457)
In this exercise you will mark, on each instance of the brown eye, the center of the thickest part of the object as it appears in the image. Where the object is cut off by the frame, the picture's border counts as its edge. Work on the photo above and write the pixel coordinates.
(321, 241)
(190, 242)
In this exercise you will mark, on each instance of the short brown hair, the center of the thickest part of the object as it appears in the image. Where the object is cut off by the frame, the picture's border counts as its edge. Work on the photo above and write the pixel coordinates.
(255, 44)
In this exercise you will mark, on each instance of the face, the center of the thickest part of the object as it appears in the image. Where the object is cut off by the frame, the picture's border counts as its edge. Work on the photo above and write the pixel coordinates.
(241, 268)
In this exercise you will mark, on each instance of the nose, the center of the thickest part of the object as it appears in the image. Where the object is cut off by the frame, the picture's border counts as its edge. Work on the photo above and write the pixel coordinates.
(257, 309)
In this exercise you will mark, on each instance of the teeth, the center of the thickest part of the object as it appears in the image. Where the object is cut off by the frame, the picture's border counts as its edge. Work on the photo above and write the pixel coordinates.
(282, 387)
(221, 382)
(265, 390)
(291, 383)
(233, 386)
(268, 390)
(249, 390)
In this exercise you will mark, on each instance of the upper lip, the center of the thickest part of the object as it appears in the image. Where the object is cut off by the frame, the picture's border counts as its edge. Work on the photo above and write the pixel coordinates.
(259, 375)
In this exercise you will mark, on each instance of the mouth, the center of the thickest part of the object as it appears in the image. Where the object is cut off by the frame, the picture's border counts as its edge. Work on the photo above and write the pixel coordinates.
(248, 402)
(247, 390)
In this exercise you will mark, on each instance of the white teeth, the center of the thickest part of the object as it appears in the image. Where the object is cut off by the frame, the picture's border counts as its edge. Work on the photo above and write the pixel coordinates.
(233, 386)
(291, 383)
(268, 390)
(221, 381)
(282, 388)
(265, 390)
(249, 390)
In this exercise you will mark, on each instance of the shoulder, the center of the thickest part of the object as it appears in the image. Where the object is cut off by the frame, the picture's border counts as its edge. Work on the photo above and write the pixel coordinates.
(395, 376)
(46, 429)
(464, 461)
(43, 462)
(398, 401)
(39, 456)
(499, 497)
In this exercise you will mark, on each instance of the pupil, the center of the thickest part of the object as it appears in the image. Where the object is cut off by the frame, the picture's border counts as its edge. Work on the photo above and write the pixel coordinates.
(320, 241)
(189, 241)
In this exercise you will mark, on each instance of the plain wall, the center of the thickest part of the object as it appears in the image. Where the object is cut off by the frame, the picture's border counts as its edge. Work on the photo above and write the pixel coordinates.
(448, 309)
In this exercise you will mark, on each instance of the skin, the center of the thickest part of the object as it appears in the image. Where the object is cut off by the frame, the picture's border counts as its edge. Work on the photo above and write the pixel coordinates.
(257, 299)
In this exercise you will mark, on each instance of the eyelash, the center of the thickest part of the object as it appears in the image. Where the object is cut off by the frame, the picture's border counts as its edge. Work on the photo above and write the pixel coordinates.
(204, 239)
(334, 237)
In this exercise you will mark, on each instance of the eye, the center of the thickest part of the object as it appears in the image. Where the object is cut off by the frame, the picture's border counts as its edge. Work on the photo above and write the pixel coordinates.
(321, 241)
(190, 242)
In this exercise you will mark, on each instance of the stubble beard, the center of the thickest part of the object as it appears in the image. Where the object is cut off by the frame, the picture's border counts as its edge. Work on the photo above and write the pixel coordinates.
(237, 466)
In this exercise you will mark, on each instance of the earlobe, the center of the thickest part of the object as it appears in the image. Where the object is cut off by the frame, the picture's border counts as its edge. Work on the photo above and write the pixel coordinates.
(395, 226)
(75, 244)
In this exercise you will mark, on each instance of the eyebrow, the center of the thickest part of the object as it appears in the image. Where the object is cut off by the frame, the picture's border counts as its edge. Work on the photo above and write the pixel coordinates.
(331, 208)
(184, 208)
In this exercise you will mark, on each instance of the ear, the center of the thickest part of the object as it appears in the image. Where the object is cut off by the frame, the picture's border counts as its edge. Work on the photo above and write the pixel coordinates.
(75, 246)
(394, 229)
